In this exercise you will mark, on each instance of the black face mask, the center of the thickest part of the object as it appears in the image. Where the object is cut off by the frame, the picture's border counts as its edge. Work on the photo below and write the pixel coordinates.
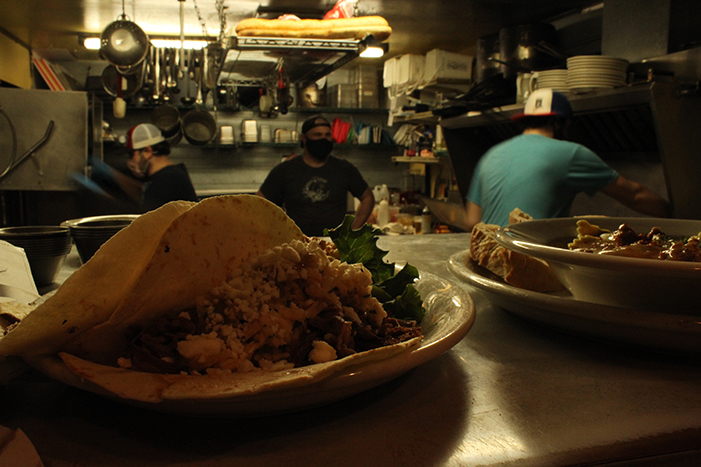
(319, 148)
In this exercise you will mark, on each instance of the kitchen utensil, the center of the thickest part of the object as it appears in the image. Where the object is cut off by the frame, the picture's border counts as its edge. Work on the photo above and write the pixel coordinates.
(130, 83)
(188, 100)
(283, 93)
(123, 43)
(156, 75)
(14, 161)
(199, 127)
(486, 59)
(520, 48)
(167, 118)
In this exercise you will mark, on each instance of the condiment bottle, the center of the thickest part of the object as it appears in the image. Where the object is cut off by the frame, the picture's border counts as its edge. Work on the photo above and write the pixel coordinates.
(426, 220)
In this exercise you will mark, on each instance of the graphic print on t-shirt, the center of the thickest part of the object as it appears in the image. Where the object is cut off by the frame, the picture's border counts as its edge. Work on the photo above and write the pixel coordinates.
(316, 189)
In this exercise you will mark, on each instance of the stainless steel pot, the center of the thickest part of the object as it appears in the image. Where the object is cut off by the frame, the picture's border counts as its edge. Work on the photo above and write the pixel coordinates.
(167, 118)
(124, 44)
(521, 48)
(199, 127)
(487, 61)
(131, 83)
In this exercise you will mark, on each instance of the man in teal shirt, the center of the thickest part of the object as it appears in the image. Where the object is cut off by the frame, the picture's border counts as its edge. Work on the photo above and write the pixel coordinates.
(541, 174)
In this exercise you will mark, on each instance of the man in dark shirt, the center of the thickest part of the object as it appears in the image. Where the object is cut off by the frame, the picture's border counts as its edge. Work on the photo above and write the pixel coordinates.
(313, 187)
(165, 180)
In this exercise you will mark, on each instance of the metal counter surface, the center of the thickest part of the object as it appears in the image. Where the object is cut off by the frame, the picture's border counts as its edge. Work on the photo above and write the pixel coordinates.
(512, 393)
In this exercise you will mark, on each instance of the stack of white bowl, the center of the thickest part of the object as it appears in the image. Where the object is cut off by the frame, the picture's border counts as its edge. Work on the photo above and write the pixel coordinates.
(552, 79)
(588, 72)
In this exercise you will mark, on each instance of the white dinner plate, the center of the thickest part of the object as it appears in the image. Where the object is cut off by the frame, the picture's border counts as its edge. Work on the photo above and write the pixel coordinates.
(661, 331)
(450, 313)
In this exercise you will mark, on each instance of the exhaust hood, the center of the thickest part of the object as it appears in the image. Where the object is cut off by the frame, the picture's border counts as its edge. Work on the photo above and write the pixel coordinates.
(651, 121)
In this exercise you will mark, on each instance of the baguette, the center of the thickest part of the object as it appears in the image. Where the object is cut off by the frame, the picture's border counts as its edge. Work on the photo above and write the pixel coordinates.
(343, 28)
(515, 268)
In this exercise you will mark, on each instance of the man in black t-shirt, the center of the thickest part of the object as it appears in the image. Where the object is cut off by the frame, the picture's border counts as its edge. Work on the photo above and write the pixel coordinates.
(164, 180)
(313, 187)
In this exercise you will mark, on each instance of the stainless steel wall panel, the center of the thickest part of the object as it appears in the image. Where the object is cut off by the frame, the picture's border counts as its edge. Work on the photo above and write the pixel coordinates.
(65, 151)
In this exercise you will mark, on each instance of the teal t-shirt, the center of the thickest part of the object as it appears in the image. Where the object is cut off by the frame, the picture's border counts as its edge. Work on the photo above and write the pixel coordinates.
(539, 175)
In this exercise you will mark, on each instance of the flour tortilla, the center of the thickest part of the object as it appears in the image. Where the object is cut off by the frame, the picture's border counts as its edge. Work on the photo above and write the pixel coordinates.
(197, 252)
(152, 387)
(91, 294)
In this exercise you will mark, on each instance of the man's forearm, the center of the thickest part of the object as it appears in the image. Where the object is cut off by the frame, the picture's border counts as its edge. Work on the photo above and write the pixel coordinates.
(367, 202)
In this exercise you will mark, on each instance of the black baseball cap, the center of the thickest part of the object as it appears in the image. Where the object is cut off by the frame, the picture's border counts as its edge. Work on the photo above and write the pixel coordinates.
(312, 123)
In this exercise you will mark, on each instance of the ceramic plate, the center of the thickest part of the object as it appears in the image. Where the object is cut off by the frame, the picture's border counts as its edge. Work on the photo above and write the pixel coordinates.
(626, 282)
(661, 331)
(450, 313)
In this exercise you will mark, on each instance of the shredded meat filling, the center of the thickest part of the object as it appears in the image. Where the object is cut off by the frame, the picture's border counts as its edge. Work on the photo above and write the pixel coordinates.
(154, 348)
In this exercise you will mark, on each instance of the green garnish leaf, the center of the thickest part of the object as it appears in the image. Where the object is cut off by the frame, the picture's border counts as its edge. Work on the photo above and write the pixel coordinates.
(396, 284)
(397, 293)
(406, 306)
(360, 246)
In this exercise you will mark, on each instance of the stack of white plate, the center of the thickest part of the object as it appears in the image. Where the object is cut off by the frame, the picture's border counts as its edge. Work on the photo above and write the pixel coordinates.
(588, 72)
(552, 79)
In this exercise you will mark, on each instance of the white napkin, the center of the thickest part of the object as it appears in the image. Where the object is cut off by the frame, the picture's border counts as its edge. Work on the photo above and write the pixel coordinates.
(16, 281)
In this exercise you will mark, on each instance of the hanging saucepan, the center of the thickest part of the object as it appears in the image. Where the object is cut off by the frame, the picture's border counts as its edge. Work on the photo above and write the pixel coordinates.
(520, 48)
(199, 127)
(124, 44)
(167, 118)
(130, 83)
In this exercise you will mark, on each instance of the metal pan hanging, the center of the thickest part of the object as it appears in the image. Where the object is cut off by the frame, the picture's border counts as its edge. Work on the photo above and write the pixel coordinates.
(124, 44)
(130, 83)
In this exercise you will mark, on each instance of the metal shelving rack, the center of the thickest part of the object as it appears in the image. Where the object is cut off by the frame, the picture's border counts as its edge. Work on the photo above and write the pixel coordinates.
(249, 60)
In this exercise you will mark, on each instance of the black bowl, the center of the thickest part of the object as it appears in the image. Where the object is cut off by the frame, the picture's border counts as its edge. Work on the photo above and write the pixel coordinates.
(89, 233)
(46, 248)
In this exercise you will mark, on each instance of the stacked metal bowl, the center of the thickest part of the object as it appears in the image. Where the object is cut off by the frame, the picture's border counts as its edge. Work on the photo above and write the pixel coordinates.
(89, 233)
(46, 248)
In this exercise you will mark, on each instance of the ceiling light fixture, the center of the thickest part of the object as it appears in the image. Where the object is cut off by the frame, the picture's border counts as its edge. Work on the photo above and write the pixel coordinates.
(373, 48)
(372, 52)
(94, 43)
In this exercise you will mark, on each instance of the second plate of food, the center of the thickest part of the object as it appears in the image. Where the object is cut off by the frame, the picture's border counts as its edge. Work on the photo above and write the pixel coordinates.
(676, 332)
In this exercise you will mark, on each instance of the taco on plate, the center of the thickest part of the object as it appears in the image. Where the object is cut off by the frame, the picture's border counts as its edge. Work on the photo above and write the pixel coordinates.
(233, 299)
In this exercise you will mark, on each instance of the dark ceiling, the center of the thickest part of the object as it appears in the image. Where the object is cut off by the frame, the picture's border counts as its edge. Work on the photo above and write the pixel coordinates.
(418, 25)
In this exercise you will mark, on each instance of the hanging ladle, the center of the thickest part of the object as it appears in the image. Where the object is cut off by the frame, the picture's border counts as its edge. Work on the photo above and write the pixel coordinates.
(187, 100)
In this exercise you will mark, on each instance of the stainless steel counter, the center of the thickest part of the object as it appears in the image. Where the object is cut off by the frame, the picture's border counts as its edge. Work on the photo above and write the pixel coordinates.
(512, 393)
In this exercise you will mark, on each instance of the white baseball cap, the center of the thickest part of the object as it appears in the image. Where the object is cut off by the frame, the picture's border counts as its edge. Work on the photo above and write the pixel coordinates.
(142, 135)
(545, 103)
